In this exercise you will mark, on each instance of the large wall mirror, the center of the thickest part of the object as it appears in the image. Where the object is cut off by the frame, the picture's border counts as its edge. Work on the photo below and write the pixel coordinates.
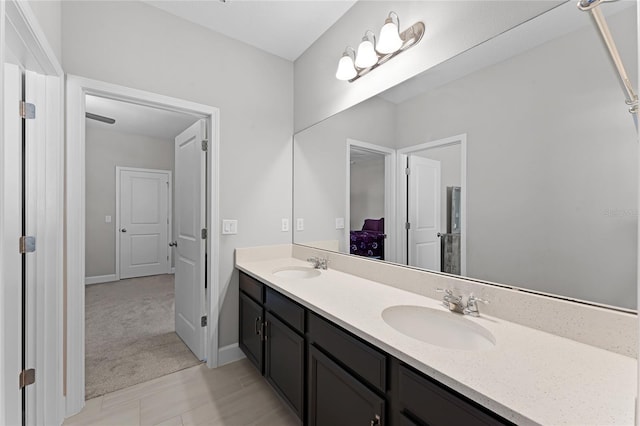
(515, 163)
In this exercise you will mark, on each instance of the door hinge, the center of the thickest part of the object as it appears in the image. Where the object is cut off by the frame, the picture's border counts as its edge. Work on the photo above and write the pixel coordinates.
(407, 226)
(203, 321)
(27, 244)
(203, 233)
(407, 171)
(27, 110)
(27, 377)
(205, 145)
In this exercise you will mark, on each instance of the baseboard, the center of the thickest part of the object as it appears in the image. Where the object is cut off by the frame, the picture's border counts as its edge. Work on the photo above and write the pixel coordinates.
(229, 354)
(98, 279)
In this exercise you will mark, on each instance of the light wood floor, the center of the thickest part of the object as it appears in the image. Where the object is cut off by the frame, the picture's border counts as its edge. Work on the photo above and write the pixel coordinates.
(232, 395)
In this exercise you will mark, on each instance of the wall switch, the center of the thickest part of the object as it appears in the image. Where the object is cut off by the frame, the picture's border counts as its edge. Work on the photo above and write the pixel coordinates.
(339, 222)
(229, 227)
(299, 224)
(285, 224)
(107, 219)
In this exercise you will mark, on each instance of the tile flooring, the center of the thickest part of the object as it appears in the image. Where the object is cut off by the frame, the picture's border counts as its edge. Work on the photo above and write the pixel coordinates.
(232, 395)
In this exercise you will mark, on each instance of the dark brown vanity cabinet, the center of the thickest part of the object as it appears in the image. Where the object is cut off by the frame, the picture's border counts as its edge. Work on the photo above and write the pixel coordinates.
(272, 337)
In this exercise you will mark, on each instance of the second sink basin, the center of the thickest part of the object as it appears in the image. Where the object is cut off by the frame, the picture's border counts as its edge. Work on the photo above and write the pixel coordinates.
(440, 328)
(299, 272)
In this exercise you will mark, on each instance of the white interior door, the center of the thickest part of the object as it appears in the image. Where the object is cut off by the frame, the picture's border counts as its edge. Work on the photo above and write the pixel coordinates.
(423, 205)
(190, 169)
(143, 222)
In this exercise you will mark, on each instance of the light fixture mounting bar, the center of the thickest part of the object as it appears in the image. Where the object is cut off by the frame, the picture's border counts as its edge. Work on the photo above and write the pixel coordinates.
(410, 37)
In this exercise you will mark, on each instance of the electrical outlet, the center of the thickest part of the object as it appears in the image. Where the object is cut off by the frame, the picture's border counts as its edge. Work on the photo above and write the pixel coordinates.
(107, 219)
(285, 224)
(300, 224)
(339, 222)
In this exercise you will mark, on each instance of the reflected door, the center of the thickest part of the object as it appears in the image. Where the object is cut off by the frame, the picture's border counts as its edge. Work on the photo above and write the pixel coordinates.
(423, 212)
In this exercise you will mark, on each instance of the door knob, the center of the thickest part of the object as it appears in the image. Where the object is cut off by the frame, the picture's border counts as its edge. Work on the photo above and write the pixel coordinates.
(123, 230)
(173, 244)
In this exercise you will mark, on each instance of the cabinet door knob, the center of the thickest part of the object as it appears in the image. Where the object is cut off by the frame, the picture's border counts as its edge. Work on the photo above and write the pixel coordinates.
(376, 421)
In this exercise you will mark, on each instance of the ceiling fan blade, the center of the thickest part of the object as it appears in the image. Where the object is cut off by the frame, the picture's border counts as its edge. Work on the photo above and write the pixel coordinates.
(100, 118)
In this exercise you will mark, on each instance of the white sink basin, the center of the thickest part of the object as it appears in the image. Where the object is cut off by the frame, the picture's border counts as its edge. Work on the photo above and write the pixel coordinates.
(440, 328)
(298, 272)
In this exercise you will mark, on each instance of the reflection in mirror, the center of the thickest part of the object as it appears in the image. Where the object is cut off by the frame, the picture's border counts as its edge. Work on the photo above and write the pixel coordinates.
(521, 158)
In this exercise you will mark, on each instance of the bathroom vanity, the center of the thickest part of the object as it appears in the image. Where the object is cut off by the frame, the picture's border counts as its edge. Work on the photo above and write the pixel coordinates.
(322, 339)
(338, 377)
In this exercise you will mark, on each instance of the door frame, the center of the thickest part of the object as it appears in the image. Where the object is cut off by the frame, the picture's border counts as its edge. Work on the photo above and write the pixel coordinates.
(169, 216)
(389, 195)
(402, 155)
(23, 41)
(77, 89)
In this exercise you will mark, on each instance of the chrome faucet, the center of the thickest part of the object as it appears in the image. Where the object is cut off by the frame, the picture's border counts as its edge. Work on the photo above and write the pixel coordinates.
(451, 301)
(454, 303)
(318, 262)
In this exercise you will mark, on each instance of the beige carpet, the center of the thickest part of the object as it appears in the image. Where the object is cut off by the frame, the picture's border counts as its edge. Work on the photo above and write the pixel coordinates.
(130, 335)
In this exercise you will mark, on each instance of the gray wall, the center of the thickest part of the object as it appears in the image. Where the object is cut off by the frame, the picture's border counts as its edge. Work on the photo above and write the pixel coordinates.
(139, 46)
(552, 172)
(367, 191)
(106, 149)
(452, 28)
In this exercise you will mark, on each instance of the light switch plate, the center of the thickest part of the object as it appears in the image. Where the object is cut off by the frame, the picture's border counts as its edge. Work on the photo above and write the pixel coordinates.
(300, 224)
(285, 224)
(107, 219)
(339, 222)
(229, 227)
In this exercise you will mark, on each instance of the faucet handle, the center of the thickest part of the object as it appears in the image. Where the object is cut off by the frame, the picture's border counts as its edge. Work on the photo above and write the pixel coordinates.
(475, 299)
(444, 290)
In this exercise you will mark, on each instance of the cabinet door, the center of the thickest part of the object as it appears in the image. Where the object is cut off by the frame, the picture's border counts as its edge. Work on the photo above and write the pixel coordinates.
(251, 319)
(338, 399)
(284, 366)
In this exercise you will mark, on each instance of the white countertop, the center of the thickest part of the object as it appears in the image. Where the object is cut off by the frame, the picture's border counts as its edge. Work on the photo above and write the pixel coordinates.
(529, 377)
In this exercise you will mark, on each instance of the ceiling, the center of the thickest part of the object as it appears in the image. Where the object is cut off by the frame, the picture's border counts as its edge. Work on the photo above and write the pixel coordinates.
(137, 119)
(285, 28)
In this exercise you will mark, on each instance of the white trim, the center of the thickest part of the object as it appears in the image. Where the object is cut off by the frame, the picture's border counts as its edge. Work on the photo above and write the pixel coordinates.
(21, 31)
(169, 174)
(389, 195)
(77, 88)
(230, 353)
(402, 195)
(99, 279)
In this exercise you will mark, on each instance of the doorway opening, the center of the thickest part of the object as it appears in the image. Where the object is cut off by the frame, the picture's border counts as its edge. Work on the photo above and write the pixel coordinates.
(142, 187)
(130, 309)
(370, 211)
(432, 204)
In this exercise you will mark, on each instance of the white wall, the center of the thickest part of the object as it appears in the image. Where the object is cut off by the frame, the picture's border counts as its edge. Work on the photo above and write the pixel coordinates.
(552, 172)
(451, 28)
(106, 149)
(49, 16)
(450, 173)
(136, 45)
(320, 169)
(367, 191)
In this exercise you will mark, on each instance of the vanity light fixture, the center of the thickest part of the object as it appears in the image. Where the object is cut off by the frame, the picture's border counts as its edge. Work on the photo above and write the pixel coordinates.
(371, 53)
